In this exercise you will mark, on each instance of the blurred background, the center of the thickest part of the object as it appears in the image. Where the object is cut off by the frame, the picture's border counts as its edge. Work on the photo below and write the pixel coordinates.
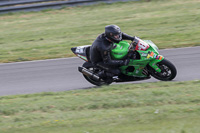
(32, 30)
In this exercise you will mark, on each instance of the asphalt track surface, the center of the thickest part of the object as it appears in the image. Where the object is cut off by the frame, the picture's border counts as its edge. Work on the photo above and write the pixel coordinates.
(62, 74)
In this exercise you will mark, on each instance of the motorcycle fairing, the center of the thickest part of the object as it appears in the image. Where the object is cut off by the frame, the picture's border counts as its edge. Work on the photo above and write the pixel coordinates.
(153, 46)
(150, 56)
(138, 65)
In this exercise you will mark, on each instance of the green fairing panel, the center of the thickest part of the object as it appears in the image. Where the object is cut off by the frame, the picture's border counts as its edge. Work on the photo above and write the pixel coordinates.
(153, 47)
(120, 50)
(151, 57)
(139, 65)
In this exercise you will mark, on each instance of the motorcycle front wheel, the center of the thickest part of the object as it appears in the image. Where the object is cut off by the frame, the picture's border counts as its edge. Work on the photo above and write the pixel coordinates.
(95, 70)
(168, 71)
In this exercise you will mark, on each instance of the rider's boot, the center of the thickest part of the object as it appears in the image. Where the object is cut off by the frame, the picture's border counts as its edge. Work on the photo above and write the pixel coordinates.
(102, 74)
(106, 76)
(109, 77)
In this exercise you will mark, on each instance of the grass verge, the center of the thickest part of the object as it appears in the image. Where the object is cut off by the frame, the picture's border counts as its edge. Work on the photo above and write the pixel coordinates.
(160, 107)
(51, 34)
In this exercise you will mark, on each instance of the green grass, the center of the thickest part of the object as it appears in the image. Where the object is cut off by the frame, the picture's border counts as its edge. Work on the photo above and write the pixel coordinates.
(51, 34)
(162, 107)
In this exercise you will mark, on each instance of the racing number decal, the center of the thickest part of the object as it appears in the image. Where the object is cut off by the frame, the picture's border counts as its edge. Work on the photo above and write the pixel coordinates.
(142, 45)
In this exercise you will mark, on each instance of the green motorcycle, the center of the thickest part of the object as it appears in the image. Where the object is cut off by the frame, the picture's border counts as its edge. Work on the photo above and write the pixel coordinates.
(145, 62)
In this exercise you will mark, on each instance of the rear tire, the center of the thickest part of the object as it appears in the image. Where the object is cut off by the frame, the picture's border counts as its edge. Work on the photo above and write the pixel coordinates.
(168, 71)
(94, 69)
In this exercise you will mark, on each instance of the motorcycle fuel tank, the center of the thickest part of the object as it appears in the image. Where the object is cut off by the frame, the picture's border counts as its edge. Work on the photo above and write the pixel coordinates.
(120, 50)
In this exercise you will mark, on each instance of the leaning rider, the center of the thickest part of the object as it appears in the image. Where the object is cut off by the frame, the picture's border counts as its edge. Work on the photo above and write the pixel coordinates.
(101, 48)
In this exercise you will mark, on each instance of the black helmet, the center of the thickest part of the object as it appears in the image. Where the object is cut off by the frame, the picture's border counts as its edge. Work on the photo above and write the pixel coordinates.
(113, 33)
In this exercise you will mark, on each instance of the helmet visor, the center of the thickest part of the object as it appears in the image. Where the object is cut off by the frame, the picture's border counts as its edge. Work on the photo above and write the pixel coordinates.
(117, 37)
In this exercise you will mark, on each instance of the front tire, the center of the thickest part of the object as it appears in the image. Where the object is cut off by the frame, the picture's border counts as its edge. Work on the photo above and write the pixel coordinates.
(168, 71)
(94, 69)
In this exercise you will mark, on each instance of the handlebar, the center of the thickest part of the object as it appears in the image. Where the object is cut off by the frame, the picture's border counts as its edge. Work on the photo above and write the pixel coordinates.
(132, 46)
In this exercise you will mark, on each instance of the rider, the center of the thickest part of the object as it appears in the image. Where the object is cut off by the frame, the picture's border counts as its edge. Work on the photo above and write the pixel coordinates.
(101, 49)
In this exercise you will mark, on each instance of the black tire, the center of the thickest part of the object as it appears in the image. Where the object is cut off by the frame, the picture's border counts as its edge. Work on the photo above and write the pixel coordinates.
(91, 67)
(168, 71)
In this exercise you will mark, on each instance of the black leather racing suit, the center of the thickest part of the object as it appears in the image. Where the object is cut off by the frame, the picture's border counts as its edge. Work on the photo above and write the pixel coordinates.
(100, 54)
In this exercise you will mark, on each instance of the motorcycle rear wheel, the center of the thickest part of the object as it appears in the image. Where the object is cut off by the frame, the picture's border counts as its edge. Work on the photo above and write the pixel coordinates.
(94, 69)
(168, 71)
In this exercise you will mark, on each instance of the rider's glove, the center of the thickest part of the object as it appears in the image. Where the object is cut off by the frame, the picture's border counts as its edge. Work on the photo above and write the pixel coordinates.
(126, 62)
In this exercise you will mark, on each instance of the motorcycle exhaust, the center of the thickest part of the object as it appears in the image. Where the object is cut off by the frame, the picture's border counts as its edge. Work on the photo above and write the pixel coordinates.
(88, 73)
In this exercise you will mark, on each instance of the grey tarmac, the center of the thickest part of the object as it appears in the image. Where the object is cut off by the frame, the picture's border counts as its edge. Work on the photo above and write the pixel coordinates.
(62, 74)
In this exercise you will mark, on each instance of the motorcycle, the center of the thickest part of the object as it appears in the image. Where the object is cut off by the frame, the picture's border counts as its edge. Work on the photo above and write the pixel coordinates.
(145, 61)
